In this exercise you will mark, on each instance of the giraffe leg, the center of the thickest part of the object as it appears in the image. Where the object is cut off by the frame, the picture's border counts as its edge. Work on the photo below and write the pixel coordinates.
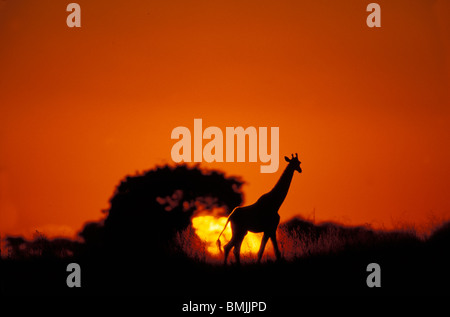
(237, 248)
(227, 249)
(262, 247)
(273, 237)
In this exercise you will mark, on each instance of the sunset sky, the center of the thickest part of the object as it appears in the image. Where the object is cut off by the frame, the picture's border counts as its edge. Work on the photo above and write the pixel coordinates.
(367, 109)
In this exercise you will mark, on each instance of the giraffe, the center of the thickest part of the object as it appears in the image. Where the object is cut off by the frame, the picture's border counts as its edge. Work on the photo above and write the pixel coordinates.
(262, 216)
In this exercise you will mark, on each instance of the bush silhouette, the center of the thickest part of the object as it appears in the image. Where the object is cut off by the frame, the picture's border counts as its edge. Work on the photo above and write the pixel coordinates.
(147, 210)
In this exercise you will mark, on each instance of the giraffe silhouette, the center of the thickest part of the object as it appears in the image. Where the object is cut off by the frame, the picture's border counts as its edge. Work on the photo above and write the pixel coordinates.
(262, 216)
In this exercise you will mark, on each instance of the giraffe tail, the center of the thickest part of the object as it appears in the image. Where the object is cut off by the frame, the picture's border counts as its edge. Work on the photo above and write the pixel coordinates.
(226, 224)
(218, 245)
(218, 238)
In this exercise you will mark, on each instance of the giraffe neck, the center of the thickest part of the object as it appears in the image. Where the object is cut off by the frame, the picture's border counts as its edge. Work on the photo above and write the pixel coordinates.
(281, 188)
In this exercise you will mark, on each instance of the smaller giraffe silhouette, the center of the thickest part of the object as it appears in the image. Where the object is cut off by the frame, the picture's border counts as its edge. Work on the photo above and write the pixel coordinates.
(262, 216)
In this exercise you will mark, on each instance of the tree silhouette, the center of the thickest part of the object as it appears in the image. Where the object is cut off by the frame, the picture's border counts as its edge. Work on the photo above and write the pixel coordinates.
(146, 210)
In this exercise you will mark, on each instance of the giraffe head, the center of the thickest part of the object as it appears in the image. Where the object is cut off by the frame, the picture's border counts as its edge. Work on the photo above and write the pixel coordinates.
(294, 162)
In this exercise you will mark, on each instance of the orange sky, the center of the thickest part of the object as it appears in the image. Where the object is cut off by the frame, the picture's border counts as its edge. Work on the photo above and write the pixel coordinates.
(366, 109)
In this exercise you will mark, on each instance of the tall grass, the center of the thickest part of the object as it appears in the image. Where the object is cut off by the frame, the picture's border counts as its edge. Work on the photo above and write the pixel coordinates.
(297, 243)
(299, 238)
(188, 243)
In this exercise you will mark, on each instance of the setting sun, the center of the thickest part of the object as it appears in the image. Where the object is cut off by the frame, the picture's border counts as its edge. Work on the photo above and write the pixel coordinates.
(208, 229)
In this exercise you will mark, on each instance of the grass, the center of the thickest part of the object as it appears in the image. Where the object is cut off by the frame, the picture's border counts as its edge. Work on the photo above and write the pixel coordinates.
(325, 259)
(300, 240)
